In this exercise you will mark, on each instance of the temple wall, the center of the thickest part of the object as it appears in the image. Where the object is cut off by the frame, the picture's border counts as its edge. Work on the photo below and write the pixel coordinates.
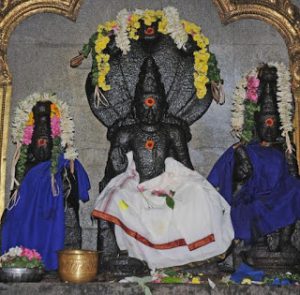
(41, 47)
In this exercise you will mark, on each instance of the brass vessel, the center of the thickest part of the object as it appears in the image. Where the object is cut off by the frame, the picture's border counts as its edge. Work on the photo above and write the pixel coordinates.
(77, 266)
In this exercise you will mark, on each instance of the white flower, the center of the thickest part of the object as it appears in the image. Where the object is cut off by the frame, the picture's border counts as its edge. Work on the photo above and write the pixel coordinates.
(284, 98)
(16, 251)
(238, 107)
(12, 252)
(174, 27)
(71, 153)
(122, 39)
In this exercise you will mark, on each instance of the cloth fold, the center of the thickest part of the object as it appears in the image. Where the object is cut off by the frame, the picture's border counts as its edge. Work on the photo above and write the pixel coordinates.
(198, 228)
(267, 201)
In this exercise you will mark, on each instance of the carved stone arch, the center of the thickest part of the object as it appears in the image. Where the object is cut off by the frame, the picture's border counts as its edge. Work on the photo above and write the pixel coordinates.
(281, 14)
(12, 12)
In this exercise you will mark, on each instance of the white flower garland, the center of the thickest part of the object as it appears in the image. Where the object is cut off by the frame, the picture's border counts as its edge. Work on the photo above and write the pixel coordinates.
(66, 122)
(174, 26)
(238, 107)
(284, 98)
(122, 38)
(284, 102)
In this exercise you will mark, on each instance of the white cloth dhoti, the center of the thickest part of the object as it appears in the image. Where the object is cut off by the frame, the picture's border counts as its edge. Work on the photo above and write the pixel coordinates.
(199, 227)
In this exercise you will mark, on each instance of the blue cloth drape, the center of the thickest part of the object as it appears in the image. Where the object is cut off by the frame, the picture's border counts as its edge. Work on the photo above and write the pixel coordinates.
(269, 200)
(37, 221)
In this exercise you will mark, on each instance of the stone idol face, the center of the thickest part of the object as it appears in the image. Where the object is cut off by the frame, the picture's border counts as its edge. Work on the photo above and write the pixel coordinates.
(150, 99)
(41, 140)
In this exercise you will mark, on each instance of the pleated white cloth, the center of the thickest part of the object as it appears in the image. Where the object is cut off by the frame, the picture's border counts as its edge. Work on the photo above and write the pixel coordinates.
(197, 228)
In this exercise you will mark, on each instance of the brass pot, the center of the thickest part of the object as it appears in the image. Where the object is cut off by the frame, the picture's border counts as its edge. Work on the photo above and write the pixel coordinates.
(77, 266)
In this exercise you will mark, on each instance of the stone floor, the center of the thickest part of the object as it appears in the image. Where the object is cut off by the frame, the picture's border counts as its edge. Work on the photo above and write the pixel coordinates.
(53, 286)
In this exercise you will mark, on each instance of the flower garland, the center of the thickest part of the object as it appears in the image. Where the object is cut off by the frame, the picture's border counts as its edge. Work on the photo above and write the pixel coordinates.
(245, 103)
(62, 132)
(126, 27)
(284, 99)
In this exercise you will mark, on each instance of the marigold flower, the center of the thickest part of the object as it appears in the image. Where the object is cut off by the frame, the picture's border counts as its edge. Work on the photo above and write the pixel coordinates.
(54, 110)
(30, 120)
(133, 35)
(201, 93)
(162, 26)
(101, 44)
(100, 28)
(200, 80)
(201, 56)
(110, 25)
(201, 67)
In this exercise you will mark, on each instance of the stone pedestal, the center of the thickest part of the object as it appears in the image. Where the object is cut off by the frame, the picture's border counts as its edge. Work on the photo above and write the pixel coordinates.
(288, 259)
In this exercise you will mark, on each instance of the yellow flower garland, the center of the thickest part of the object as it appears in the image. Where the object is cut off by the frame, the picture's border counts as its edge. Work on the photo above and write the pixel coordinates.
(201, 56)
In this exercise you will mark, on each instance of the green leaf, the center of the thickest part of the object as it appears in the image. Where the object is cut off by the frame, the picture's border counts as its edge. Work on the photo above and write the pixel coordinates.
(170, 202)
(171, 280)
(86, 50)
(170, 272)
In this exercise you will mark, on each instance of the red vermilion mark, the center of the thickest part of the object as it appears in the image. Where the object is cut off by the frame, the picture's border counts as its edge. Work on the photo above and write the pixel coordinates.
(150, 101)
(149, 145)
(269, 122)
(149, 31)
(42, 142)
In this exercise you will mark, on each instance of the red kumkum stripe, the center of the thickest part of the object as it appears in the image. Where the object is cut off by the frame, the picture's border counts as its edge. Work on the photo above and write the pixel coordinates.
(177, 243)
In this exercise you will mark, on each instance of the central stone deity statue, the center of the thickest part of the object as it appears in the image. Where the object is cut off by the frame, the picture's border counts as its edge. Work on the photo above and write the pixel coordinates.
(152, 205)
(166, 213)
(152, 138)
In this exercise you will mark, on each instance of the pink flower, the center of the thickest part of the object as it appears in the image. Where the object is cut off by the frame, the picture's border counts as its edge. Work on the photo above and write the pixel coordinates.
(27, 135)
(252, 95)
(116, 29)
(36, 255)
(30, 254)
(55, 126)
(252, 82)
(252, 85)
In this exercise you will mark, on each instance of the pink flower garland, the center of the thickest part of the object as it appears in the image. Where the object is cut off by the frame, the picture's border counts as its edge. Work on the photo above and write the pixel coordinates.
(252, 86)
(55, 127)
(27, 135)
(55, 130)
